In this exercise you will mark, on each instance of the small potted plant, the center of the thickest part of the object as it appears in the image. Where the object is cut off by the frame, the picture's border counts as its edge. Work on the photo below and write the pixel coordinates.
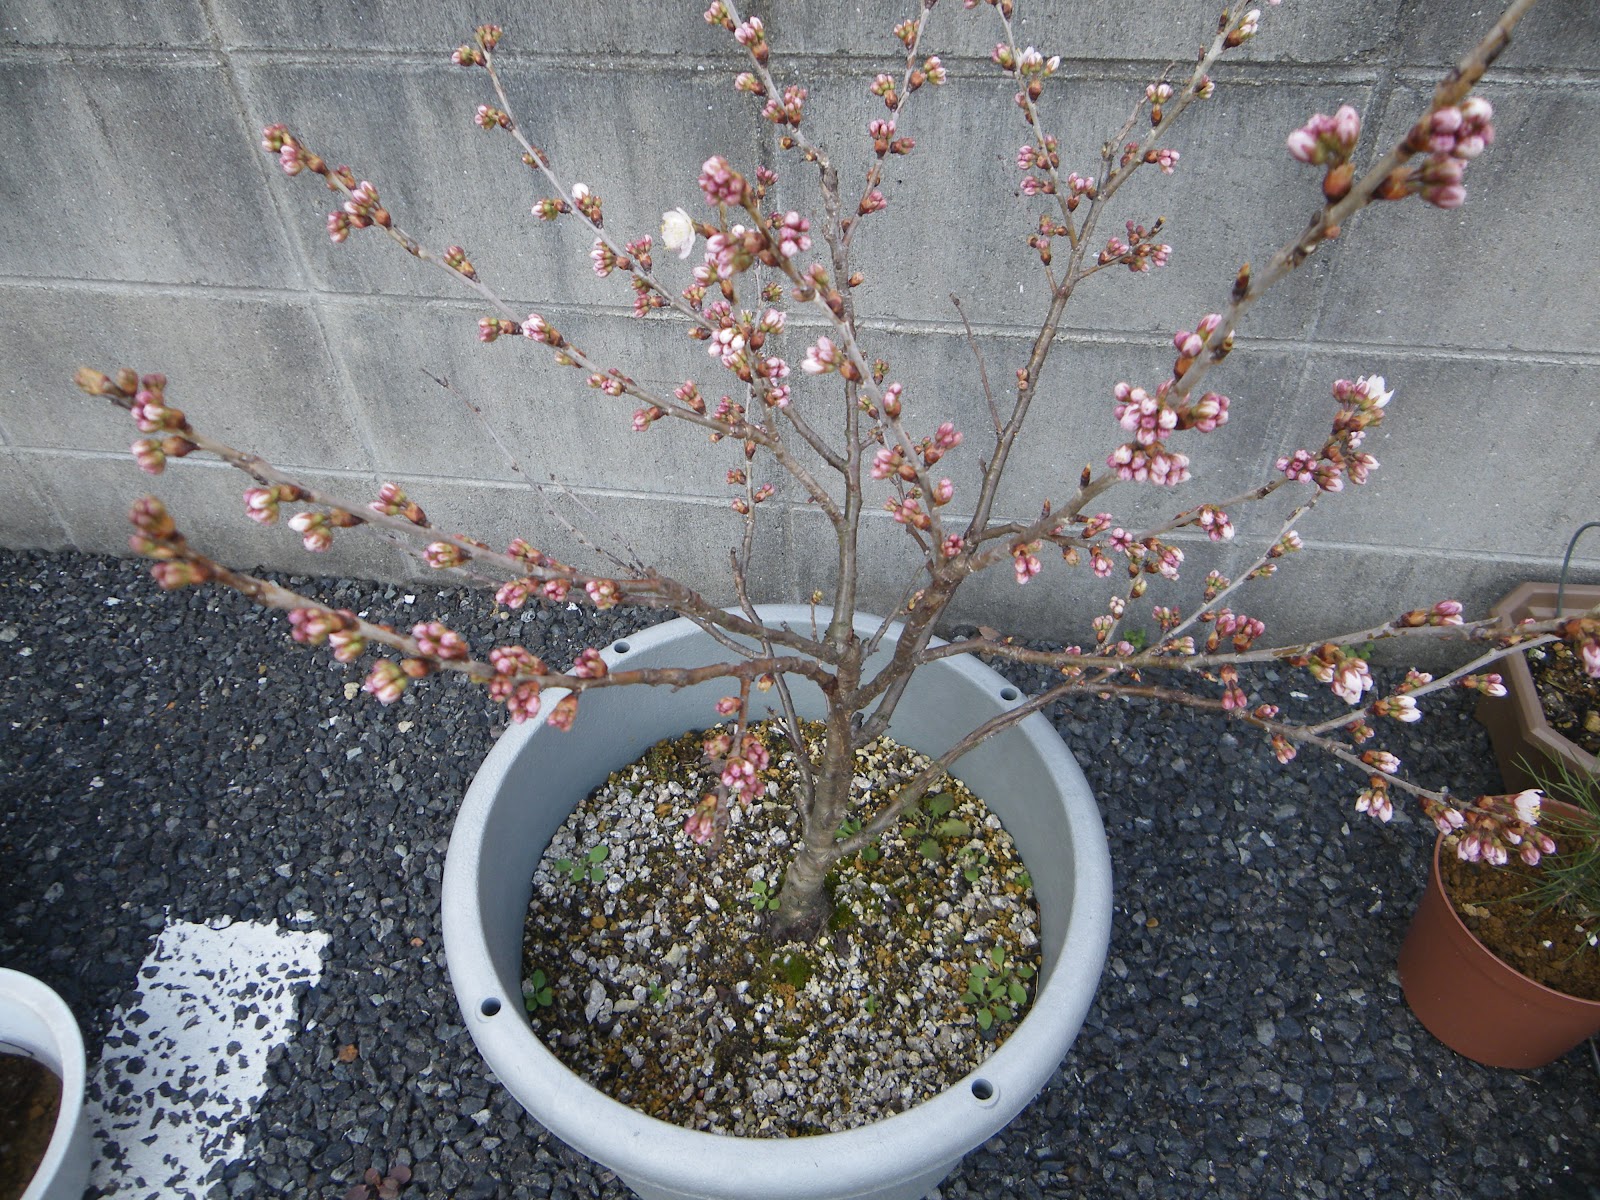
(45, 1150)
(1503, 965)
(811, 408)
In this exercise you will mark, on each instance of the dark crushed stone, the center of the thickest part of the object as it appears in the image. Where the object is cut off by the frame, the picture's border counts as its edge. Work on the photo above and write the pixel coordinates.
(1251, 1042)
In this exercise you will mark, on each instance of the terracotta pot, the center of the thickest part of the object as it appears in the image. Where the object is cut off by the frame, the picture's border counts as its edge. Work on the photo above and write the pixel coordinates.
(1476, 1004)
(1527, 748)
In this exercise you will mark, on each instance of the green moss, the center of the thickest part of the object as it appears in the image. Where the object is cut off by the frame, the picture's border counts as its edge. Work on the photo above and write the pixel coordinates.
(792, 968)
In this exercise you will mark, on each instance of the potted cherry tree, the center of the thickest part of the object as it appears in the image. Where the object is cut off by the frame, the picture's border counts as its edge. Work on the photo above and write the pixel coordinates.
(794, 710)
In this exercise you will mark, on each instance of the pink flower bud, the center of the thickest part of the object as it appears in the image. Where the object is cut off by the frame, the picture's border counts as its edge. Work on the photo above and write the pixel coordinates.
(1590, 653)
(564, 713)
(385, 681)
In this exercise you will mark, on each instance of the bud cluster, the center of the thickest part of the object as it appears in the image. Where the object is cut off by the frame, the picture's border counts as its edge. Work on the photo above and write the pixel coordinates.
(1451, 138)
(1344, 672)
(1361, 406)
(261, 503)
(1329, 141)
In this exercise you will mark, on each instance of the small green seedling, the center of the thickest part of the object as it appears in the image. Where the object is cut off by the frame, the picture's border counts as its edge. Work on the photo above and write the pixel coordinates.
(536, 992)
(658, 994)
(996, 986)
(848, 829)
(932, 818)
(762, 896)
(974, 862)
(590, 866)
(871, 1005)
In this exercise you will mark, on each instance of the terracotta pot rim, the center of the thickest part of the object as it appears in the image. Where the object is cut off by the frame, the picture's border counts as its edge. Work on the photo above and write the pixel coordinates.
(1438, 880)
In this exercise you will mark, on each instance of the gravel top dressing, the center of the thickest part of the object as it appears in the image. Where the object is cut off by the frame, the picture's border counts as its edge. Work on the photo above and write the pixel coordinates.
(175, 757)
(664, 996)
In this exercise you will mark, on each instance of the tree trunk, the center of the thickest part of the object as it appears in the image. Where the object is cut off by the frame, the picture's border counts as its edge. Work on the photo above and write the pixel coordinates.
(804, 905)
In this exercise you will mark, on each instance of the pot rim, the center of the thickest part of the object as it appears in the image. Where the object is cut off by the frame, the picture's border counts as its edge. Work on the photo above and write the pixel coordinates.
(956, 1120)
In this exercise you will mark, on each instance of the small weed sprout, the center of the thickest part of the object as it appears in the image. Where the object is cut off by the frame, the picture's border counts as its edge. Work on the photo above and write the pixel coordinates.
(537, 992)
(763, 897)
(997, 986)
(591, 866)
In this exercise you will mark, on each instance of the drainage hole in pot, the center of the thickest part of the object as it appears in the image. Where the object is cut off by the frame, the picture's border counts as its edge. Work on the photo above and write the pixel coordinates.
(1009, 694)
(621, 647)
(982, 1090)
(490, 1006)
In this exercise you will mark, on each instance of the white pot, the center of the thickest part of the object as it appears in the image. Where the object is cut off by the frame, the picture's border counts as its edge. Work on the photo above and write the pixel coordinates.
(36, 1023)
(535, 776)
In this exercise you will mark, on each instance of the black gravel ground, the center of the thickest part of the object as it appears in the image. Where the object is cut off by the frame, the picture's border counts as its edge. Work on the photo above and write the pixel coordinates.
(178, 755)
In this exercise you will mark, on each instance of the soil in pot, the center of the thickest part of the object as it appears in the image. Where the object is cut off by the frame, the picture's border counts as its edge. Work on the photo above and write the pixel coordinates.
(1549, 946)
(646, 973)
(30, 1101)
(1569, 696)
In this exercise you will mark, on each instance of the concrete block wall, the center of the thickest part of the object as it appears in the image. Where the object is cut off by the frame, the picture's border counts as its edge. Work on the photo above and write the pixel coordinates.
(141, 225)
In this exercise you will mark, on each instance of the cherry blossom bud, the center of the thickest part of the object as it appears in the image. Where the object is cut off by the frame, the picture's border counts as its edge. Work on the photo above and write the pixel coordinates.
(439, 641)
(821, 358)
(727, 706)
(441, 555)
(1025, 562)
(1589, 652)
(564, 713)
(1446, 612)
(316, 534)
(1488, 685)
(589, 664)
(1400, 708)
(702, 821)
(604, 593)
(1375, 802)
(385, 681)
(149, 455)
(1283, 748)
(952, 545)
(1381, 760)
(720, 183)
(348, 644)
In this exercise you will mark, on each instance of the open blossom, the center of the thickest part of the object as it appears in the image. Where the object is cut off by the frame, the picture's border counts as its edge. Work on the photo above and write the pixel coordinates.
(677, 232)
(1527, 805)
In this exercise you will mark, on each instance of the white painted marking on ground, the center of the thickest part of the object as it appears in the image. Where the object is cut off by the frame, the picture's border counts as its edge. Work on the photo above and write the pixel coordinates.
(185, 1065)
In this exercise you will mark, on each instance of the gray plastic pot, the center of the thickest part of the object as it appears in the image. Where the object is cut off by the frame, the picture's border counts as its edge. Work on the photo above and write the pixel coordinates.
(36, 1023)
(535, 776)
